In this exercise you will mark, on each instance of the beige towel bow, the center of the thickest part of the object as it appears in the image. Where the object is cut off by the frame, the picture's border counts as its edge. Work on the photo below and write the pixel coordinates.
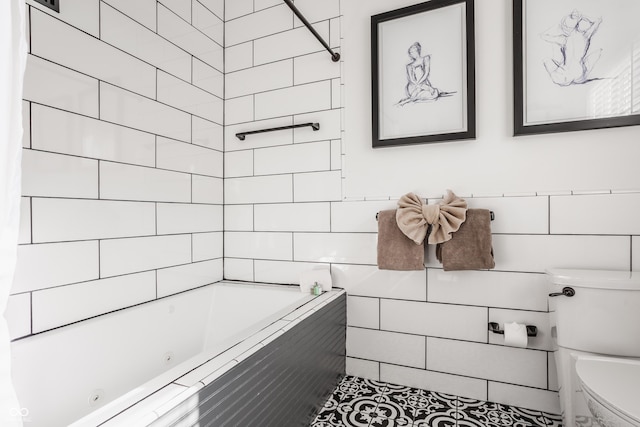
(414, 217)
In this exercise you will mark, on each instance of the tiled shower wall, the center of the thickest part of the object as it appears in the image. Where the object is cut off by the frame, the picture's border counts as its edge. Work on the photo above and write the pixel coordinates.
(284, 214)
(122, 161)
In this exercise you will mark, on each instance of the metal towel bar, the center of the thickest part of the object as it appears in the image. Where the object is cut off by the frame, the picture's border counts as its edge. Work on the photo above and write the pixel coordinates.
(493, 216)
(314, 126)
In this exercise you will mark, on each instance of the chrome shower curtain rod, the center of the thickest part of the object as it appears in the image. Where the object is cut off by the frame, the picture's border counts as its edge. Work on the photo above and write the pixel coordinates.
(335, 56)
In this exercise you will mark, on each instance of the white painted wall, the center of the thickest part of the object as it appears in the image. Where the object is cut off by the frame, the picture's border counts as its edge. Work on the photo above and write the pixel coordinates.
(495, 162)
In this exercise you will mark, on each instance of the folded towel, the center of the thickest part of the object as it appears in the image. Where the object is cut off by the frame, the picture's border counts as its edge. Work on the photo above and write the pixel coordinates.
(395, 250)
(414, 217)
(470, 246)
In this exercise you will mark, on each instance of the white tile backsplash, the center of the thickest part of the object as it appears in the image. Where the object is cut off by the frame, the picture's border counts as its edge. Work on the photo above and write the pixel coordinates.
(182, 278)
(368, 280)
(315, 67)
(277, 246)
(58, 264)
(524, 291)
(260, 189)
(330, 126)
(358, 216)
(235, 9)
(434, 381)
(50, 84)
(522, 215)
(238, 164)
(54, 40)
(207, 134)
(207, 190)
(293, 158)
(293, 100)
(317, 186)
(363, 368)
(122, 256)
(256, 25)
(343, 248)
(59, 306)
(55, 175)
(363, 312)
(591, 211)
(179, 7)
(289, 44)
(515, 365)
(126, 182)
(215, 6)
(524, 397)
(207, 246)
(175, 218)
(435, 320)
(635, 250)
(82, 14)
(315, 11)
(135, 111)
(284, 272)
(207, 22)
(538, 253)
(142, 11)
(208, 78)
(62, 132)
(238, 57)
(181, 33)
(238, 110)
(238, 269)
(183, 96)
(76, 219)
(190, 158)
(275, 75)
(292, 217)
(238, 217)
(123, 32)
(390, 347)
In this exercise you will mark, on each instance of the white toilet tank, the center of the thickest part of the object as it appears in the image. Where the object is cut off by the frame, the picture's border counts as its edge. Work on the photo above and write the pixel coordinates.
(604, 314)
(593, 313)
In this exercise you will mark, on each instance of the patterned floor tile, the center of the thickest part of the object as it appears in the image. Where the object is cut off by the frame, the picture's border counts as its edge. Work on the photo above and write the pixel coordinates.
(552, 420)
(357, 402)
(478, 413)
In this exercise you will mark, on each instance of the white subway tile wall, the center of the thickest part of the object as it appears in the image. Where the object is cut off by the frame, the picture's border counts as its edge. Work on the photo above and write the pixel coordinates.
(122, 158)
(134, 186)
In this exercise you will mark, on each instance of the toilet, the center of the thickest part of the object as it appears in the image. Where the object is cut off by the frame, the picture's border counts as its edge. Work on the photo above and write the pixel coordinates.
(611, 388)
(595, 322)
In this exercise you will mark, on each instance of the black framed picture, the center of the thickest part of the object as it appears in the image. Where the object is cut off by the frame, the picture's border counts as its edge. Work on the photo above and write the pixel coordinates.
(576, 65)
(423, 73)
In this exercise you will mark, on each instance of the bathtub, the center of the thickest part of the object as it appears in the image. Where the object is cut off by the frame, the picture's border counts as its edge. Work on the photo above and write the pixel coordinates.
(159, 363)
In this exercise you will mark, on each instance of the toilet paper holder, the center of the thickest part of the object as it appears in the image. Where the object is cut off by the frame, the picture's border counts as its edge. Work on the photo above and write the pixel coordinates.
(532, 331)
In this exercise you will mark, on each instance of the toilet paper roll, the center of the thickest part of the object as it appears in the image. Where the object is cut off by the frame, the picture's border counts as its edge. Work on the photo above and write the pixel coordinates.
(309, 277)
(515, 334)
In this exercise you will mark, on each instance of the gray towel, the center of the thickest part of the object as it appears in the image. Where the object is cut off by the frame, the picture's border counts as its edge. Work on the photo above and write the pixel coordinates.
(470, 247)
(395, 250)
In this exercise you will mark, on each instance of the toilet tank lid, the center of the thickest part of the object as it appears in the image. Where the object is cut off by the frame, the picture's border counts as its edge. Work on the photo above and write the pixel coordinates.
(605, 279)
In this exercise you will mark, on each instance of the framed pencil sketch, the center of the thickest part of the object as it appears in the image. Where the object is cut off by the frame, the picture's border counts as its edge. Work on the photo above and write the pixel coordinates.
(576, 65)
(423, 73)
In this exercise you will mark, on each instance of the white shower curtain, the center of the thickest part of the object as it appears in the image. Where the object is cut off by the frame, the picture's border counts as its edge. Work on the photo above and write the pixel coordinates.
(13, 55)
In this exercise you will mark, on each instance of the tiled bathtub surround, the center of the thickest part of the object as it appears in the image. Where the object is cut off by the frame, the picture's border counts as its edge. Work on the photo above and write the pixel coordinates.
(122, 160)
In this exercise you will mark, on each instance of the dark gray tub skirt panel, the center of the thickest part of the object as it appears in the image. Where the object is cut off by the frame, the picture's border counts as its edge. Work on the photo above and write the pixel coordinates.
(283, 384)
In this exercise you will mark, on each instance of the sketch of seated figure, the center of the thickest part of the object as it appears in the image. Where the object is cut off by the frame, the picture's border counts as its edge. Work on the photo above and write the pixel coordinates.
(419, 88)
(574, 40)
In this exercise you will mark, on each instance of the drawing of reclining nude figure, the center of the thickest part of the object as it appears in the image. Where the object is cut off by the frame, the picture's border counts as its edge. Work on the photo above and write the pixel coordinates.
(419, 88)
(574, 42)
